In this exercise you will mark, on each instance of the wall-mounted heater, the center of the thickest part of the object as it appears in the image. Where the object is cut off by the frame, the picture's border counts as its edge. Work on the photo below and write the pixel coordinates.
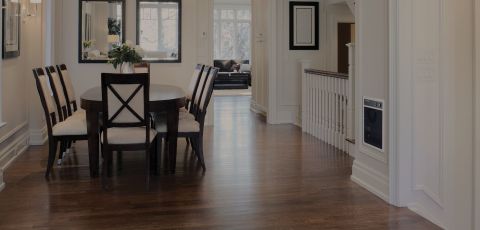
(373, 112)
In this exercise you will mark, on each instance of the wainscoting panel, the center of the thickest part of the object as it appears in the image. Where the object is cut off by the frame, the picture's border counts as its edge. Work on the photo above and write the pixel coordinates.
(427, 106)
(12, 145)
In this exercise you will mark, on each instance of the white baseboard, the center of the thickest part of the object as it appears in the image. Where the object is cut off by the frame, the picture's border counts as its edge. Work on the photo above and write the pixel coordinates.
(39, 136)
(370, 180)
(256, 108)
(421, 211)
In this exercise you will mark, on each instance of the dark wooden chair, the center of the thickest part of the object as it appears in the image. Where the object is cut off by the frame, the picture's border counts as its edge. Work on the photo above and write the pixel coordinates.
(143, 67)
(61, 97)
(126, 118)
(192, 128)
(59, 130)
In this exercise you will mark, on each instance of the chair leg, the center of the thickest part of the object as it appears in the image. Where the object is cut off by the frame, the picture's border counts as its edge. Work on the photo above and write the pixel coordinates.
(119, 161)
(147, 165)
(154, 157)
(52, 153)
(61, 154)
(109, 158)
(200, 152)
(104, 168)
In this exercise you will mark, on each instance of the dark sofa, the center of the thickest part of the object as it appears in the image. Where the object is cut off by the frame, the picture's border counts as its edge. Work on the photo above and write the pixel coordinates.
(229, 76)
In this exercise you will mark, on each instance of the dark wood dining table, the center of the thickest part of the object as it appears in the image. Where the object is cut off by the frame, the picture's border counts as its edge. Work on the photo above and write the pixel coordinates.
(163, 98)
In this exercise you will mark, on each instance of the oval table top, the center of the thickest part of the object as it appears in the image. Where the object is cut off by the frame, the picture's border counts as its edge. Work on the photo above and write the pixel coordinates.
(158, 94)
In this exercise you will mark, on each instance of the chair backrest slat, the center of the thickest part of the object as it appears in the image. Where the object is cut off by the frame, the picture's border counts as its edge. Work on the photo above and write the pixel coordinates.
(208, 91)
(67, 86)
(194, 82)
(58, 93)
(201, 85)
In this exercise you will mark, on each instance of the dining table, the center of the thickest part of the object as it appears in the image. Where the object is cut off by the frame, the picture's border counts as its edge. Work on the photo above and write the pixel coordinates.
(163, 98)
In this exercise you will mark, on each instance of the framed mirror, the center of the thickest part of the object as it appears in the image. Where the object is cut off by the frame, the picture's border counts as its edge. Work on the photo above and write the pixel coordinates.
(101, 27)
(159, 29)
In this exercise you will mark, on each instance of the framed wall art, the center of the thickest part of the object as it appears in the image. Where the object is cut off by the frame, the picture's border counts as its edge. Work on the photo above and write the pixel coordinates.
(304, 26)
(11, 11)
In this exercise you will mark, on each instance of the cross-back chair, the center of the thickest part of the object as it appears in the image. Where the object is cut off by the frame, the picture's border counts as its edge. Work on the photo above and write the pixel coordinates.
(59, 130)
(126, 118)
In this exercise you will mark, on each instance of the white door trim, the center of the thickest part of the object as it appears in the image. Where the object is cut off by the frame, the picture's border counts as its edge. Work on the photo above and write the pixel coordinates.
(272, 61)
(392, 91)
(476, 155)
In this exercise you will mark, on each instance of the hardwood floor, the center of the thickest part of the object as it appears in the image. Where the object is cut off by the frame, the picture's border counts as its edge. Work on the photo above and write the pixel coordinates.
(258, 177)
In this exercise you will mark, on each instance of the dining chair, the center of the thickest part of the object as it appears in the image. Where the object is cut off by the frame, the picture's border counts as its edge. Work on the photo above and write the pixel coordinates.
(63, 105)
(193, 128)
(69, 91)
(59, 130)
(142, 67)
(126, 118)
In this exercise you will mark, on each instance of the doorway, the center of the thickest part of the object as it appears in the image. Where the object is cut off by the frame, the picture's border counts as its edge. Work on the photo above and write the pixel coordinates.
(346, 35)
(232, 28)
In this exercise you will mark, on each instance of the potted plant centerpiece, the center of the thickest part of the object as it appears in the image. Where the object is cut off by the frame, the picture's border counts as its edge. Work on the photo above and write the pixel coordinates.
(124, 56)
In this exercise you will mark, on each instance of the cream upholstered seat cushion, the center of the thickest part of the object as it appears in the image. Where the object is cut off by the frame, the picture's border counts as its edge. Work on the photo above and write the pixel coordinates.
(73, 126)
(81, 114)
(184, 126)
(184, 114)
(128, 136)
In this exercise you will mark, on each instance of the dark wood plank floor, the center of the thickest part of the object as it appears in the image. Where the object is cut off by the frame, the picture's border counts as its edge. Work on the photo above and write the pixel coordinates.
(258, 177)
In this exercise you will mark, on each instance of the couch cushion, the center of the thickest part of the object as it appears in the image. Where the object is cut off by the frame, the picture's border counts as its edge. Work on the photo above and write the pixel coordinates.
(223, 65)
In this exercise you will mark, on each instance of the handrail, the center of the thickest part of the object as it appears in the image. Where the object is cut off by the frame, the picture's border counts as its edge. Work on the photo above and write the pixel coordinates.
(327, 73)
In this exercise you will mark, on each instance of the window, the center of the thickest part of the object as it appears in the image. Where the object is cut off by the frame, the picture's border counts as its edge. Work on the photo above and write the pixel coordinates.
(158, 29)
(232, 32)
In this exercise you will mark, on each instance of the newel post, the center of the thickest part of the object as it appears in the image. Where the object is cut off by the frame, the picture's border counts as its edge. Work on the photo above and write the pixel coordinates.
(305, 64)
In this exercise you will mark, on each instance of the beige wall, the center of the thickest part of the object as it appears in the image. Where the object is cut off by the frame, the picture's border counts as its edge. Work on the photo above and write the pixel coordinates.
(371, 167)
(20, 103)
(336, 13)
(284, 64)
(195, 19)
(259, 56)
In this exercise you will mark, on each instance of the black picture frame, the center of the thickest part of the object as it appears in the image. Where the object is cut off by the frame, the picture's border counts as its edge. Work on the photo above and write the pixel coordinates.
(314, 32)
(180, 12)
(11, 24)
(80, 26)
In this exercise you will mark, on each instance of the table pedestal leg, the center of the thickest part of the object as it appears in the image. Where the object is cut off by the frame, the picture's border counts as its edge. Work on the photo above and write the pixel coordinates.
(93, 142)
(172, 127)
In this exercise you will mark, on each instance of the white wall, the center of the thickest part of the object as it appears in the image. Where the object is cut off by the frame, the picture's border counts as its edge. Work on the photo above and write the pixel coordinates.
(20, 103)
(370, 168)
(434, 98)
(336, 13)
(284, 65)
(196, 18)
(259, 56)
